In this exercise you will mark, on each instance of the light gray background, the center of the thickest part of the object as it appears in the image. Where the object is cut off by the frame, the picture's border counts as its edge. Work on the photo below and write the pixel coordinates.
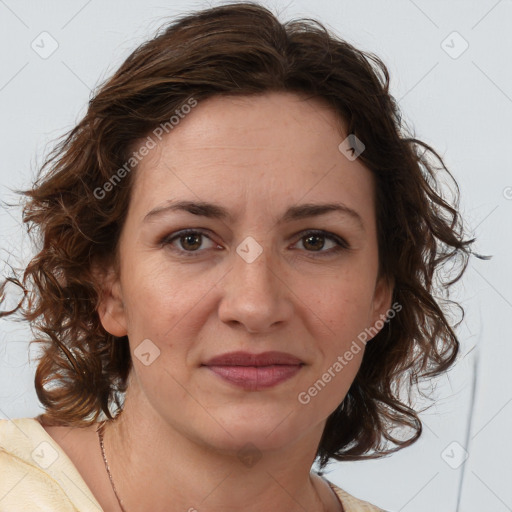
(462, 106)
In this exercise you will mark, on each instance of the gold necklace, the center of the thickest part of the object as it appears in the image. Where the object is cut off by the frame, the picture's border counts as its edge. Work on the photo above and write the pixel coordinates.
(100, 430)
(100, 436)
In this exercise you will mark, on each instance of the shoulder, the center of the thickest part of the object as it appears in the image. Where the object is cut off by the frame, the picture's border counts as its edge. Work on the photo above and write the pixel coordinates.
(36, 472)
(353, 504)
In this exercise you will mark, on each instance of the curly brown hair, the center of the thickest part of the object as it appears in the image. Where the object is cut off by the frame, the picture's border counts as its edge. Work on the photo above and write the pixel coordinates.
(240, 49)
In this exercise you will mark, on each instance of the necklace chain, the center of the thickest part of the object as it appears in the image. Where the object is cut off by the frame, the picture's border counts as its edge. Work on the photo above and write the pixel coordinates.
(100, 430)
(100, 436)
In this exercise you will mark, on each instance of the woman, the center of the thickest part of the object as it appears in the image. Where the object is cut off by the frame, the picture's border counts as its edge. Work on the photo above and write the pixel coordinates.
(239, 244)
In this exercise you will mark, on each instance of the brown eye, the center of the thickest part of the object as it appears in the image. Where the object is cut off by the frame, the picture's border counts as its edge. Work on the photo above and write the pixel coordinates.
(186, 242)
(190, 242)
(314, 242)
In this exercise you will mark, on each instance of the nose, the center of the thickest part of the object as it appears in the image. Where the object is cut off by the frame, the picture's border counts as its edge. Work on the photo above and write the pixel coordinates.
(256, 295)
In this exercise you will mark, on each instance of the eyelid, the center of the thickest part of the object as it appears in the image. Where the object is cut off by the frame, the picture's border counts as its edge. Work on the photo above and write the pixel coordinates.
(326, 234)
(169, 238)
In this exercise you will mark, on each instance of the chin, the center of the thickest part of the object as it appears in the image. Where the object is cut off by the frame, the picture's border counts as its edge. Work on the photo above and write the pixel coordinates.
(256, 432)
(251, 442)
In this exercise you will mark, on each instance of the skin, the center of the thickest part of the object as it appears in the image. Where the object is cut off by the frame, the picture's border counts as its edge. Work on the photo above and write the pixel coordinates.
(176, 444)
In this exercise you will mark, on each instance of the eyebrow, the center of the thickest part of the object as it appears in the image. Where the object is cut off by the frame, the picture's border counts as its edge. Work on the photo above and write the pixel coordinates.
(215, 211)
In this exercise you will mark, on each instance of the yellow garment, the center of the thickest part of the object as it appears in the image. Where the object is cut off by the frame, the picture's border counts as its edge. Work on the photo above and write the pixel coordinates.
(36, 475)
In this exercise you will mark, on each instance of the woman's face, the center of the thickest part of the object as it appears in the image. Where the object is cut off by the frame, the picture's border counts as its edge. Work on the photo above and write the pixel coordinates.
(250, 280)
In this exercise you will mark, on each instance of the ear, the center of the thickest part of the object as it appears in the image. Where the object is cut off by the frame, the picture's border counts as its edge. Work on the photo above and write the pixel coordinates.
(111, 308)
(381, 303)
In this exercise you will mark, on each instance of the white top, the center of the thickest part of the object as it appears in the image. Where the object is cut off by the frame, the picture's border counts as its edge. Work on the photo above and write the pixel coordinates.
(37, 475)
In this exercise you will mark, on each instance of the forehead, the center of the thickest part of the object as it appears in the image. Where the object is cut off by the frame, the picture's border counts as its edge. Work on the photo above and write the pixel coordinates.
(259, 151)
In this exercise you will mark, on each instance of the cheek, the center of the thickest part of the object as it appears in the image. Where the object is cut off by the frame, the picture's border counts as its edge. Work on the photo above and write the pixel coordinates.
(339, 317)
(158, 298)
(343, 304)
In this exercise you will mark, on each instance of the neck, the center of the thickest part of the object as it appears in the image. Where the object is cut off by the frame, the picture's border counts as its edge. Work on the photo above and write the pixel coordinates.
(156, 467)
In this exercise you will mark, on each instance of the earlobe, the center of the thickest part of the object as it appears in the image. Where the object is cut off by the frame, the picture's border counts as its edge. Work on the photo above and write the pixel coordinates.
(111, 308)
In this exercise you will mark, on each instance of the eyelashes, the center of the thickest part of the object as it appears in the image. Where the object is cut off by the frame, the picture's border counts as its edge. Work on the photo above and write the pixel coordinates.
(168, 240)
(311, 236)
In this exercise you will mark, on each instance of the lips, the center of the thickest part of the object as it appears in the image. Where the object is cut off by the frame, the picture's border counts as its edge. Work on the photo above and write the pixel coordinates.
(248, 359)
(254, 371)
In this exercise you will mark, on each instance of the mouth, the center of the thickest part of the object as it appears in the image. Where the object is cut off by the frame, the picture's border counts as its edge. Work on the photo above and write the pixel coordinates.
(255, 371)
